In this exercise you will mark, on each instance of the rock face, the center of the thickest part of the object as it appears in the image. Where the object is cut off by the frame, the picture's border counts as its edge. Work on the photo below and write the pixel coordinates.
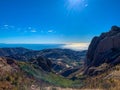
(104, 49)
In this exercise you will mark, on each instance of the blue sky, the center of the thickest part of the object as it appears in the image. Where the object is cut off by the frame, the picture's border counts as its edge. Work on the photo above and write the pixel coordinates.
(56, 21)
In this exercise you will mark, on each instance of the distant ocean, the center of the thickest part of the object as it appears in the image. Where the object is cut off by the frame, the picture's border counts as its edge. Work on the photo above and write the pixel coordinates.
(32, 46)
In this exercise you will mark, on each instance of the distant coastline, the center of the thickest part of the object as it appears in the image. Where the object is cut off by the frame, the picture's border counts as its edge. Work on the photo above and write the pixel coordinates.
(32, 46)
(44, 46)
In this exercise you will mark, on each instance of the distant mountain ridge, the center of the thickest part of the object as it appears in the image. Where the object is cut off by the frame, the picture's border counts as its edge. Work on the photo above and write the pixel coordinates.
(53, 53)
(13, 51)
(62, 59)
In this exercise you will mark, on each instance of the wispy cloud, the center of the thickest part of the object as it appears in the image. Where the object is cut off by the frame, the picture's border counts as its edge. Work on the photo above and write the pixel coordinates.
(29, 29)
(7, 27)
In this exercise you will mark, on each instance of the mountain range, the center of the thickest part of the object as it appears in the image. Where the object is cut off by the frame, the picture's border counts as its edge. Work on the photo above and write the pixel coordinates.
(61, 59)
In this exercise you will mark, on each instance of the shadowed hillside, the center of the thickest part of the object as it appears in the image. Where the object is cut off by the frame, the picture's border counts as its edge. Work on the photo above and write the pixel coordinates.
(62, 59)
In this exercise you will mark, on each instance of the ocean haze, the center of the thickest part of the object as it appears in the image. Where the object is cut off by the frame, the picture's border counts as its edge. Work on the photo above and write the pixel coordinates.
(72, 46)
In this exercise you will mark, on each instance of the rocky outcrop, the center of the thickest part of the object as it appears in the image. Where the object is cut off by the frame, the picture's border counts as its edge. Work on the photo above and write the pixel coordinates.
(42, 63)
(104, 49)
(8, 65)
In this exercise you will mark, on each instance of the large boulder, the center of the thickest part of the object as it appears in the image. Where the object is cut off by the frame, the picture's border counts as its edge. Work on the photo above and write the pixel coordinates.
(104, 49)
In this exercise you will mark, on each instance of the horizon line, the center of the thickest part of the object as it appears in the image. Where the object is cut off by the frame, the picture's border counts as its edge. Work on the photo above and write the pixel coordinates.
(51, 43)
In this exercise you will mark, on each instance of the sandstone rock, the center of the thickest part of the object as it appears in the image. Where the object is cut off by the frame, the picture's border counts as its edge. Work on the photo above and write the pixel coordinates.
(104, 49)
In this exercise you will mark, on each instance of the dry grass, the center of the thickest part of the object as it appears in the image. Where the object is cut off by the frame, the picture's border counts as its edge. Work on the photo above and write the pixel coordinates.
(109, 80)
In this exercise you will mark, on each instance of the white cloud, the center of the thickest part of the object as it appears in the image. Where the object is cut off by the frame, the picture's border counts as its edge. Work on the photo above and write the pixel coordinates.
(50, 31)
(76, 46)
(7, 27)
(33, 31)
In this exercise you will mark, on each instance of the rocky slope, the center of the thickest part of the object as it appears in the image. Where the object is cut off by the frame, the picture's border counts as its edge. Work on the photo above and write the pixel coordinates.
(103, 49)
(11, 75)
(35, 75)
(108, 80)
